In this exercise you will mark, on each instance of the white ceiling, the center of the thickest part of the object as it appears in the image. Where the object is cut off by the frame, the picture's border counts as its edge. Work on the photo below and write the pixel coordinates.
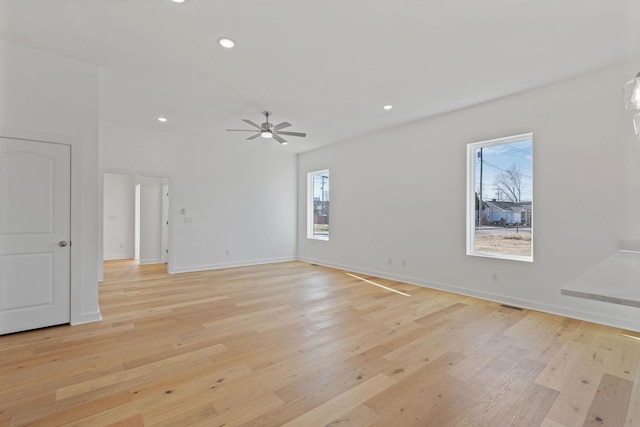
(326, 67)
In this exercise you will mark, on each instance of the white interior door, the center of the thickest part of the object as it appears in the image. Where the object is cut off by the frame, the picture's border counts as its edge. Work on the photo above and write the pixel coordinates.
(165, 221)
(35, 254)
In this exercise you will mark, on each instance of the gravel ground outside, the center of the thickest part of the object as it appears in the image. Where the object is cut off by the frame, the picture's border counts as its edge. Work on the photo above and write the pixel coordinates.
(511, 244)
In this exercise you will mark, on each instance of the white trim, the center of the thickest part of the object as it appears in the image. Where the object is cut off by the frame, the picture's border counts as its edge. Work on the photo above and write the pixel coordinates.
(79, 260)
(247, 263)
(497, 255)
(503, 140)
(86, 318)
(136, 219)
(150, 261)
(165, 221)
(471, 198)
(632, 324)
(170, 182)
(117, 257)
(310, 200)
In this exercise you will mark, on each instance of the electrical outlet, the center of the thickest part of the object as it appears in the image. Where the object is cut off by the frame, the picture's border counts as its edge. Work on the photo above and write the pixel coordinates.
(404, 263)
(228, 252)
(496, 277)
(390, 261)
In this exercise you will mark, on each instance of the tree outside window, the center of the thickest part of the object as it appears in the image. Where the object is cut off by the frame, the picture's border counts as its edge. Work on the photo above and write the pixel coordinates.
(500, 198)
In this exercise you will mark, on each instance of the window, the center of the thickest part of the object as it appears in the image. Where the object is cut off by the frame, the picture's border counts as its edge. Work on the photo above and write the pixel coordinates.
(318, 205)
(500, 198)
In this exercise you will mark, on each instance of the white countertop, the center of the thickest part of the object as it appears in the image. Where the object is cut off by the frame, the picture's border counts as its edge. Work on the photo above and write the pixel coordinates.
(615, 280)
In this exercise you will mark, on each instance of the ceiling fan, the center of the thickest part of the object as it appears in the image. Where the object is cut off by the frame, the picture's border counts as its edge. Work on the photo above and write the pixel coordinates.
(269, 130)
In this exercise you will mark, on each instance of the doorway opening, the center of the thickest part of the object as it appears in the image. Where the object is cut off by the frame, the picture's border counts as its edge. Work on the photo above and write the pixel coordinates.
(136, 218)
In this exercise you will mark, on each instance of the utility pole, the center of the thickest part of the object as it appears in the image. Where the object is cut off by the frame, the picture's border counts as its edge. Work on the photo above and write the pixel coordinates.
(323, 177)
(480, 192)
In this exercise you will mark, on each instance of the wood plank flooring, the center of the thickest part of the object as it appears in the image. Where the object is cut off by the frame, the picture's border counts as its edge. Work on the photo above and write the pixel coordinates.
(293, 344)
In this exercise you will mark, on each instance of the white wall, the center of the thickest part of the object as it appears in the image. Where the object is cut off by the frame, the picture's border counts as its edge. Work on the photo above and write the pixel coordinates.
(396, 194)
(50, 98)
(119, 218)
(400, 194)
(237, 196)
(150, 220)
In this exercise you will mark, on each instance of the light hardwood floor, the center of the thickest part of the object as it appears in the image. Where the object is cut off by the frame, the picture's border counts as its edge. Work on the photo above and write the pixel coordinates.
(293, 344)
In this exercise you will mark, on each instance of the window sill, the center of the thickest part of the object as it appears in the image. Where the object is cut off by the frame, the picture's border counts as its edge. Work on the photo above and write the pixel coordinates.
(522, 258)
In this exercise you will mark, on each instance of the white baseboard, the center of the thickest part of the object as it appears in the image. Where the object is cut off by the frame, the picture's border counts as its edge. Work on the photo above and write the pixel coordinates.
(150, 261)
(116, 257)
(617, 322)
(244, 263)
(86, 318)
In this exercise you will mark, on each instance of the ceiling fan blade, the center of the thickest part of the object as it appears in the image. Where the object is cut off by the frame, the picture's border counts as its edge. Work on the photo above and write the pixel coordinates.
(280, 139)
(254, 136)
(282, 125)
(252, 123)
(241, 130)
(293, 133)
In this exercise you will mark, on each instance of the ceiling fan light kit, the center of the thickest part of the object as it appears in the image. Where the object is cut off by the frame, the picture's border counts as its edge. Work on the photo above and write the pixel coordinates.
(226, 42)
(268, 130)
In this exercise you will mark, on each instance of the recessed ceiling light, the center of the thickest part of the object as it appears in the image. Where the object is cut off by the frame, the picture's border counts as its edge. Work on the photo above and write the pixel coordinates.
(387, 107)
(178, 1)
(226, 43)
(162, 119)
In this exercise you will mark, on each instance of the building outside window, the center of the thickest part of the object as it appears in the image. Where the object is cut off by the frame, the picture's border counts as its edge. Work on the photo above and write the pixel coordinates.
(318, 205)
(500, 198)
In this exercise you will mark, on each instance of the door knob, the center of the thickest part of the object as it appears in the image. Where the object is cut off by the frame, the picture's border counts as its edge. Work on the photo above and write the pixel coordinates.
(62, 243)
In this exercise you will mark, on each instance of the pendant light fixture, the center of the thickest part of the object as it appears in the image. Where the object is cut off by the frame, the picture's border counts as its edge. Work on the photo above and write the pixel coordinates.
(632, 94)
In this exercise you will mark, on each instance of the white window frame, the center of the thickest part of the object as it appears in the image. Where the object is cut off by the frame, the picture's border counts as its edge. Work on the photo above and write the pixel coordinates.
(310, 205)
(471, 198)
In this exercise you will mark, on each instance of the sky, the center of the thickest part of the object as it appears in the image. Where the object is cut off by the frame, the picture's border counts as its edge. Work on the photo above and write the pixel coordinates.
(318, 187)
(499, 158)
